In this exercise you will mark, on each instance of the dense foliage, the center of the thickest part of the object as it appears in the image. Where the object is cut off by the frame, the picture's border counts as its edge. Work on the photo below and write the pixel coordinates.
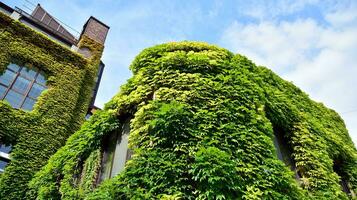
(202, 128)
(60, 110)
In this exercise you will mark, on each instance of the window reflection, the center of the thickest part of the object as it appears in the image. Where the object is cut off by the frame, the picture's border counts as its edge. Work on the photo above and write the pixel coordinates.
(7, 78)
(41, 79)
(115, 152)
(345, 187)
(2, 165)
(4, 156)
(28, 104)
(28, 73)
(284, 150)
(121, 150)
(36, 90)
(13, 67)
(14, 98)
(2, 91)
(21, 86)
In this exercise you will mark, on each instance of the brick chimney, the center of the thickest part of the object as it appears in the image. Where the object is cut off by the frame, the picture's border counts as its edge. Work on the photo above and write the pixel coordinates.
(95, 30)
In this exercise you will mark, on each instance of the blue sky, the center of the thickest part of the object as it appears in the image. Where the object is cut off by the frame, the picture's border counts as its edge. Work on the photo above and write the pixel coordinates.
(312, 43)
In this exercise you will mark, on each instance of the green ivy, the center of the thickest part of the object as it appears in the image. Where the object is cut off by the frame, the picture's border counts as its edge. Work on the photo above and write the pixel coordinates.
(202, 124)
(59, 111)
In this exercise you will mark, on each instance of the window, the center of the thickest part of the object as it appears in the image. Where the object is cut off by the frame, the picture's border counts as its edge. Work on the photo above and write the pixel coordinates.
(21, 86)
(88, 115)
(283, 150)
(115, 152)
(4, 156)
(345, 187)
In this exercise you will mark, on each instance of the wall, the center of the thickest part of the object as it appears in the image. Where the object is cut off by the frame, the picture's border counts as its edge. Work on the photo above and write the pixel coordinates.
(60, 110)
(207, 134)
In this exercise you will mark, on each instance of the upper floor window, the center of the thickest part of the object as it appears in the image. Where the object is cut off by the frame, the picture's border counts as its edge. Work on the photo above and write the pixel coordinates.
(115, 152)
(284, 150)
(344, 184)
(21, 86)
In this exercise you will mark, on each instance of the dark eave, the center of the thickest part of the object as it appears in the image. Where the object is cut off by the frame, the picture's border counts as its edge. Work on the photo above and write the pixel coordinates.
(6, 7)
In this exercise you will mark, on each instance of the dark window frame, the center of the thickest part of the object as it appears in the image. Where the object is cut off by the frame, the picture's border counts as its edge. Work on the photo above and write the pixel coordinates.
(32, 82)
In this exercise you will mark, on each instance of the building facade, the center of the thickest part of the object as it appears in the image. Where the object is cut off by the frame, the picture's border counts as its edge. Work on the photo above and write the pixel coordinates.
(198, 122)
(194, 122)
(48, 83)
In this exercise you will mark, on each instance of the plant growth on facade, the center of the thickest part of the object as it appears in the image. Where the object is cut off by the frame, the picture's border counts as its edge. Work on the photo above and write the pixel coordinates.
(60, 109)
(202, 127)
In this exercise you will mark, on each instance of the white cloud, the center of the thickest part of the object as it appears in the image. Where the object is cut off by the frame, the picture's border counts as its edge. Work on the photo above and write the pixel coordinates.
(271, 9)
(343, 15)
(320, 59)
(288, 42)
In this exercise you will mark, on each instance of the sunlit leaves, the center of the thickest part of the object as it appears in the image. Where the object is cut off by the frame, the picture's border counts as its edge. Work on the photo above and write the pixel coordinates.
(202, 128)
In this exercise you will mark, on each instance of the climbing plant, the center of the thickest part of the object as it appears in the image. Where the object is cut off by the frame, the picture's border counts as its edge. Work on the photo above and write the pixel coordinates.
(59, 111)
(202, 124)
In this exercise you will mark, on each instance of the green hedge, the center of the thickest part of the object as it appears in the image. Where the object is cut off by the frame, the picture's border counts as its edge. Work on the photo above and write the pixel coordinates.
(202, 128)
(59, 111)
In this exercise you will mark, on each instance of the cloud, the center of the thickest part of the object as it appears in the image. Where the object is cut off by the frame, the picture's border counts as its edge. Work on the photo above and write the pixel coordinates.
(319, 58)
(272, 9)
(259, 41)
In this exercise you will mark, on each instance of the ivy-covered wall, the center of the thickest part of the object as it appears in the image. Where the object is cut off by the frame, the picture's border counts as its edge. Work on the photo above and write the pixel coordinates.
(202, 128)
(59, 111)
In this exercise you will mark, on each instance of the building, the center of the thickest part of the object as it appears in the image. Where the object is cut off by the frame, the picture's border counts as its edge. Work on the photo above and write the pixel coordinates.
(48, 83)
(198, 122)
(194, 122)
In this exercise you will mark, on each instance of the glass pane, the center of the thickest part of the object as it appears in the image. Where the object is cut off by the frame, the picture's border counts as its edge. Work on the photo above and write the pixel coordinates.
(283, 148)
(7, 77)
(5, 149)
(14, 67)
(278, 148)
(36, 90)
(14, 98)
(88, 116)
(21, 84)
(121, 150)
(41, 79)
(108, 154)
(3, 164)
(2, 91)
(29, 73)
(28, 104)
